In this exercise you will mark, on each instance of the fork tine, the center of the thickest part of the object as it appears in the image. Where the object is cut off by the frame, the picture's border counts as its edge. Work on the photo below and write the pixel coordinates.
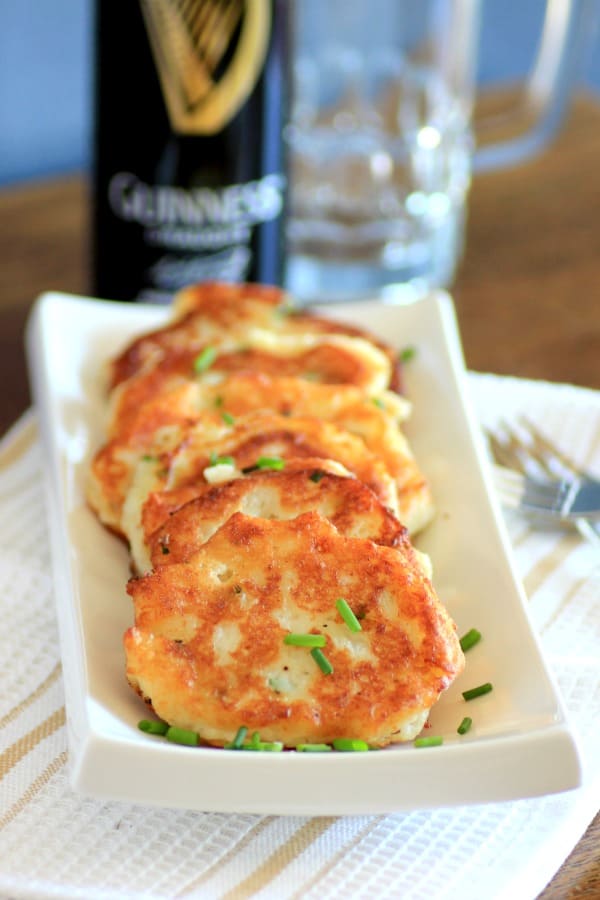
(513, 452)
(549, 455)
(503, 452)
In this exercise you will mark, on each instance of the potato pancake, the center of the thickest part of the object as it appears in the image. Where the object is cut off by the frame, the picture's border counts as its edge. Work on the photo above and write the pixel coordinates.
(208, 648)
(173, 526)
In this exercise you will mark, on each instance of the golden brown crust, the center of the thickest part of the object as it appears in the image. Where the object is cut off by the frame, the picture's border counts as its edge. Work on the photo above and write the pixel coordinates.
(215, 313)
(176, 523)
(207, 646)
(375, 420)
(242, 556)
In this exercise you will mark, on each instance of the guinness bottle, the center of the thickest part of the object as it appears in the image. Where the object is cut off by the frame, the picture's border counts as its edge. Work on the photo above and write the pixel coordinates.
(189, 171)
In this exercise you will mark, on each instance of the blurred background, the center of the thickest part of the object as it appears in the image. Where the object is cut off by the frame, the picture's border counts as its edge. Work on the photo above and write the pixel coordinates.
(45, 77)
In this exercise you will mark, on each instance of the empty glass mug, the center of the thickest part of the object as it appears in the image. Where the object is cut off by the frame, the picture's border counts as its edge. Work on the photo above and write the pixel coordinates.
(381, 144)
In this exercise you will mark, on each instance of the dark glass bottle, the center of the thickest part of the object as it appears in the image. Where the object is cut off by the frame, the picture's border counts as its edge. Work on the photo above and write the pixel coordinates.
(189, 164)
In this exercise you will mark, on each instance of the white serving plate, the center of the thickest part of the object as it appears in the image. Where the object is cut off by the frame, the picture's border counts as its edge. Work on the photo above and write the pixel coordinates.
(520, 744)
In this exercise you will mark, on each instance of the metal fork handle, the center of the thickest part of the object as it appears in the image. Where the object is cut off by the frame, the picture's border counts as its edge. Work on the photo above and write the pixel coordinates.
(582, 500)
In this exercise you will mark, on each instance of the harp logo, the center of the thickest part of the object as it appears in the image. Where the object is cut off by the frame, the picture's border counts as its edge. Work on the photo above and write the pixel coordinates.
(209, 54)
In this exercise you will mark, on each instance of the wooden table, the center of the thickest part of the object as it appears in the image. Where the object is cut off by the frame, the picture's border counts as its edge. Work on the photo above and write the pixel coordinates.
(527, 297)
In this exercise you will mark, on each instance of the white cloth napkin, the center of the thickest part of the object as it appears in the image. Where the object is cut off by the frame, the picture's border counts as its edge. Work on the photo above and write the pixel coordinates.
(55, 843)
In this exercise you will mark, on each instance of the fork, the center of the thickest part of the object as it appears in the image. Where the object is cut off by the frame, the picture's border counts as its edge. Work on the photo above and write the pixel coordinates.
(535, 475)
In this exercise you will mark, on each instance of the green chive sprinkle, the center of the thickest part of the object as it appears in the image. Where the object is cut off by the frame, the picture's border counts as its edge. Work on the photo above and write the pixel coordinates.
(313, 748)
(347, 615)
(350, 745)
(238, 740)
(152, 727)
(270, 462)
(221, 460)
(264, 746)
(227, 418)
(469, 639)
(219, 401)
(182, 736)
(407, 354)
(265, 462)
(322, 661)
(205, 359)
(433, 741)
(316, 475)
(465, 725)
(305, 640)
(477, 691)
(378, 402)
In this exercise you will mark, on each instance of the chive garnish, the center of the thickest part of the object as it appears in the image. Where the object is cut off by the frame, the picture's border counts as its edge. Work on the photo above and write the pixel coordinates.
(205, 359)
(477, 691)
(465, 725)
(305, 640)
(350, 745)
(469, 639)
(347, 615)
(227, 418)
(322, 661)
(270, 462)
(407, 354)
(152, 727)
(378, 402)
(238, 740)
(263, 746)
(182, 736)
(221, 460)
(265, 462)
(432, 741)
(313, 748)
(317, 475)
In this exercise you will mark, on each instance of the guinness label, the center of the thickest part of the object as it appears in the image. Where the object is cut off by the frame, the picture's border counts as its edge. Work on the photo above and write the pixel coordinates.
(209, 55)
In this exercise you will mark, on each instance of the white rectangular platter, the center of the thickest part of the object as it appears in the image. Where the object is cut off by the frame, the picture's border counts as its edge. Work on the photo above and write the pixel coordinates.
(520, 743)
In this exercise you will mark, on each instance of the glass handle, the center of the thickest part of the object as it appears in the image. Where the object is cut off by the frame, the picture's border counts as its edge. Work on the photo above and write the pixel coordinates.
(566, 34)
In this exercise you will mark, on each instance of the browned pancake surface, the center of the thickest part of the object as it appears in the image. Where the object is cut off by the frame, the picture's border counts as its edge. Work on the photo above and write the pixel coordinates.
(207, 648)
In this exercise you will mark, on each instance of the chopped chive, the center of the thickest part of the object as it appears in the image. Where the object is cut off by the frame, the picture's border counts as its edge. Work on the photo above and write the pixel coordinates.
(350, 745)
(347, 615)
(236, 743)
(152, 727)
(322, 661)
(305, 640)
(147, 457)
(465, 725)
(227, 418)
(432, 741)
(219, 401)
(221, 460)
(317, 475)
(407, 354)
(469, 639)
(313, 748)
(477, 691)
(264, 746)
(265, 462)
(270, 462)
(205, 359)
(378, 402)
(182, 736)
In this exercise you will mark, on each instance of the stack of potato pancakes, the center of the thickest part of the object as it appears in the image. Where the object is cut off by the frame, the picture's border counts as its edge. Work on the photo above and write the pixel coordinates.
(255, 464)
